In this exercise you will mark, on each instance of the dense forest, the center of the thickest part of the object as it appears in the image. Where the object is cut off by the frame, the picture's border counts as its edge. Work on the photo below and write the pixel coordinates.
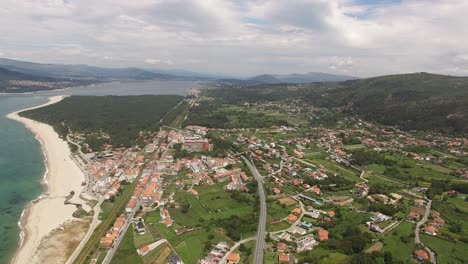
(120, 117)
(419, 101)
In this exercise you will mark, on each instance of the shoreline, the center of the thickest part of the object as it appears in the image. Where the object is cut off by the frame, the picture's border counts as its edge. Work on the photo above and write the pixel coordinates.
(40, 91)
(48, 212)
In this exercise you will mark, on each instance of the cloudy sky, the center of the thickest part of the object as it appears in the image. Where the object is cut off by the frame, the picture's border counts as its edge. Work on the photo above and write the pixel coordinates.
(240, 37)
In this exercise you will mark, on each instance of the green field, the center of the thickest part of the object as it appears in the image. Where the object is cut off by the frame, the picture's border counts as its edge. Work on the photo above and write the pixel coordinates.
(401, 248)
(454, 209)
(190, 246)
(346, 173)
(447, 252)
(126, 253)
(213, 203)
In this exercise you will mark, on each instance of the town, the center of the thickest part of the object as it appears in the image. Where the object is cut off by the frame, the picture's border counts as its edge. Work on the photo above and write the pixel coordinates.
(189, 195)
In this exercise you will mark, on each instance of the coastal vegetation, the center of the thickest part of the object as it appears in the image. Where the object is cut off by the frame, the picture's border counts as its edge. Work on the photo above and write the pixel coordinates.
(115, 120)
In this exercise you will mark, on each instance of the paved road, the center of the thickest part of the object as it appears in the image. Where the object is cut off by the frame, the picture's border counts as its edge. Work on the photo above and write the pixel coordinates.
(113, 249)
(128, 221)
(92, 227)
(233, 248)
(305, 162)
(416, 232)
(260, 244)
(296, 223)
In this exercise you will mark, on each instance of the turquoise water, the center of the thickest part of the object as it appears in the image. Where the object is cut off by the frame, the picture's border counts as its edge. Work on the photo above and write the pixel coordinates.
(21, 170)
(21, 159)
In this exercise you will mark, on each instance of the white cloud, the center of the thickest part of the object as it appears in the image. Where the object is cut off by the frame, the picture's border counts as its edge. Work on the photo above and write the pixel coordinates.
(152, 61)
(242, 37)
(158, 61)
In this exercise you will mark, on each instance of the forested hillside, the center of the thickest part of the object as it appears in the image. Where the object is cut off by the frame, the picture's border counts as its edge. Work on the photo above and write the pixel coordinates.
(419, 101)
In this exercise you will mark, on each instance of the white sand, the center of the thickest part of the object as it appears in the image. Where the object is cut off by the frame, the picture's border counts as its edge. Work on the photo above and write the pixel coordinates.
(63, 176)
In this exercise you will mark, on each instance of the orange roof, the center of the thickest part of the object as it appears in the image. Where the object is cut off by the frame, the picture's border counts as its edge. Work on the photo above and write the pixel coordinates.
(297, 211)
(120, 219)
(283, 257)
(430, 229)
(422, 254)
(281, 246)
(118, 225)
(323, 234)
(137, 192)
(106, 241)
(144, 248)
(292, 218)
(315, 190)
(233, 257)
(331, 213)
(167, 222)
(414, 215)
(149, 191)
(131, 203)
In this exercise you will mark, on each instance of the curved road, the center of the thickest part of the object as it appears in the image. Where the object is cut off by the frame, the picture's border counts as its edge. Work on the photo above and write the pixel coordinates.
(233, 248)
(416, 232)
(260, 243)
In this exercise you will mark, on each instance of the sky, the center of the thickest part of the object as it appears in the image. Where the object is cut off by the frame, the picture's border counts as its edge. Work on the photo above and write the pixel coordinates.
(242, 38)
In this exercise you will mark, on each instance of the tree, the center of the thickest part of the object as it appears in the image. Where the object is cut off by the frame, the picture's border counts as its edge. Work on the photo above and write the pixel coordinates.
(207, 245)
(456, 227)
(388, 257)
(363, 258)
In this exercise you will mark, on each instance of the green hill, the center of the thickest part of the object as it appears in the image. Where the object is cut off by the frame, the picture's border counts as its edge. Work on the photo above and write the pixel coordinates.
(419, 101)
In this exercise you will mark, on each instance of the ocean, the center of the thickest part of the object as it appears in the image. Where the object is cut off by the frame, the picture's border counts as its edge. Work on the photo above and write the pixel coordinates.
(22, 165)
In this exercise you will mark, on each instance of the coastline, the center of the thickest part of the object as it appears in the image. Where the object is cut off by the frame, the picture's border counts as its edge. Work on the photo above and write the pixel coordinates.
(40, 91)
(48, 213)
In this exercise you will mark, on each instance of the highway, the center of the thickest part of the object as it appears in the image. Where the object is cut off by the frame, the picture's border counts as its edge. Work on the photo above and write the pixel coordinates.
(260, 240)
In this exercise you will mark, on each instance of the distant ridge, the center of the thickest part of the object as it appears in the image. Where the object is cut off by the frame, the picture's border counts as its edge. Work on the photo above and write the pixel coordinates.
(295, 78)
(82, 72)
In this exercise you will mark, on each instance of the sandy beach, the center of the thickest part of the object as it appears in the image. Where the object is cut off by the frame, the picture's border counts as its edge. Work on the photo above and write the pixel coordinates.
(49, 213)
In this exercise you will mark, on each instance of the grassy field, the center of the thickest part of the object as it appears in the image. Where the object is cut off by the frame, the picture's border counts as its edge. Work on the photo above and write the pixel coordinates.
(447, 252)
(411, 170)
(190, 246)
(401, 248)
(321, 255)
(126, 253)
(191, 249)
(214, 203)
(455, 209)
(278, 226)
(141, 240)
(276, 211)
(247, 259)
(346, 173)
(159, 255)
